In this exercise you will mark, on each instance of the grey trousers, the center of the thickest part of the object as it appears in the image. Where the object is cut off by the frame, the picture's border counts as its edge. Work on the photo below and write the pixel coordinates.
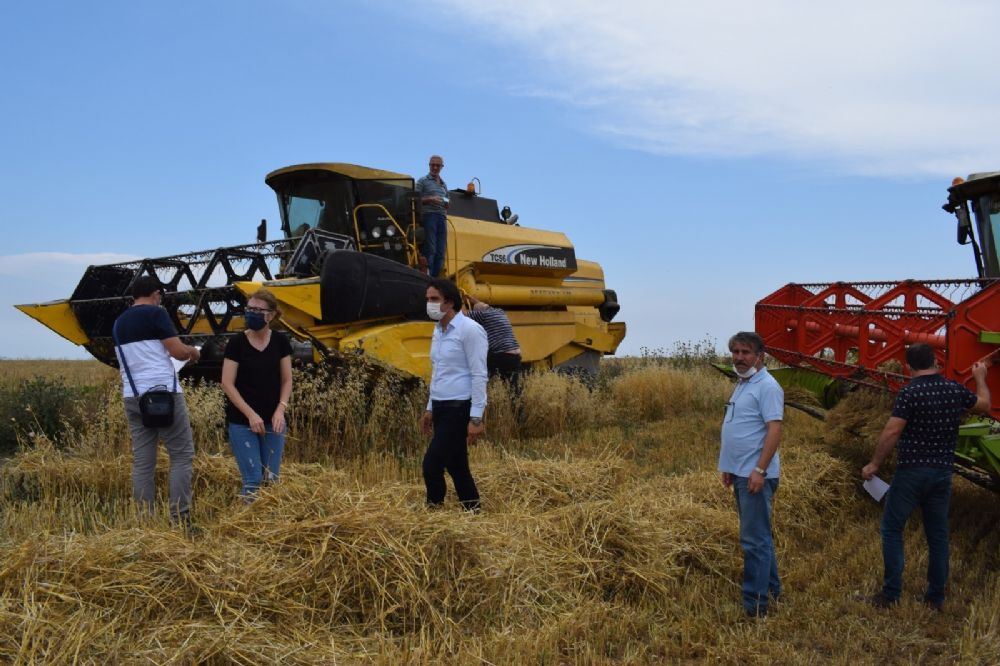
(178, 440)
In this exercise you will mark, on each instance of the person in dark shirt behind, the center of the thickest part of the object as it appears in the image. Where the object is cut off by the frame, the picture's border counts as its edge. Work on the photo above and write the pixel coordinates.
(257, 380)
(924, 422)
(504, 357)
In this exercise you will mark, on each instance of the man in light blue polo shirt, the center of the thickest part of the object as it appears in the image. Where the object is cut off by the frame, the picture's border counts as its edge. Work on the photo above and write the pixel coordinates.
(748, 460)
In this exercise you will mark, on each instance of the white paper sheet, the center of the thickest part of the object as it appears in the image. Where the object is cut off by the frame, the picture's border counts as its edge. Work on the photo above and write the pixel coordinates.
(180, 364)
(876, 487)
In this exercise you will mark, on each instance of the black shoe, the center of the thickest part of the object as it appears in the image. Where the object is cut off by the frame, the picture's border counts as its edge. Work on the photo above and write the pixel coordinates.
(183, 521)
(879, 601)
(937, 606)
(758, 613)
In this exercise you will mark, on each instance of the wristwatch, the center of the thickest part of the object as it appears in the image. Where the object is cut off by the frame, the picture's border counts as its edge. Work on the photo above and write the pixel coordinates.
(760, 471)
(476, 420)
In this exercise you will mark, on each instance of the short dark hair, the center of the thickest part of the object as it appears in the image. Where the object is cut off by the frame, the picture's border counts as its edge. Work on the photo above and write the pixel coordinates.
(448, 291)
(146, 285)
(920, 356)
(747, 338)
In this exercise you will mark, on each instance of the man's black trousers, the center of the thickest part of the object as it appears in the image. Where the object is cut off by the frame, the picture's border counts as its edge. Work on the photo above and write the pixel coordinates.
(448, 451)
(507, 367)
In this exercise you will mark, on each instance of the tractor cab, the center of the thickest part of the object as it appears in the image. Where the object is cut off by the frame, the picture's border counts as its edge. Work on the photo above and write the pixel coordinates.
(345, 206)
(981, 193)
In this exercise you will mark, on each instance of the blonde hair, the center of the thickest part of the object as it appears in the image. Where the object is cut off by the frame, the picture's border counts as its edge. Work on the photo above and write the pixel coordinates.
(268, 297)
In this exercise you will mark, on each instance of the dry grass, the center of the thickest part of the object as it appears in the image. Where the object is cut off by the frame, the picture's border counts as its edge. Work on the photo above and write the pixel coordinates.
(75, 373)
(607, 540)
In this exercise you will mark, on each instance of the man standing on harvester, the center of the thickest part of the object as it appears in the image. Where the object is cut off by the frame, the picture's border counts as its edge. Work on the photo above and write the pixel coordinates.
(434, 199)
(924, 421)
(457, 396)
(748, 460)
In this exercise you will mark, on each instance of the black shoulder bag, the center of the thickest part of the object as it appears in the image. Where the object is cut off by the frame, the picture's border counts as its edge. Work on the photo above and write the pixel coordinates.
(157, 404)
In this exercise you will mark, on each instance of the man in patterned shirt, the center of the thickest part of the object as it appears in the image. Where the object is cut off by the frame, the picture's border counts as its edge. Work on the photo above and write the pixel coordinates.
(924, 421)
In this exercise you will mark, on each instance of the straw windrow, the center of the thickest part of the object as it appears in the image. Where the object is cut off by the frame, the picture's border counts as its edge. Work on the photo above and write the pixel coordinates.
(607, 541)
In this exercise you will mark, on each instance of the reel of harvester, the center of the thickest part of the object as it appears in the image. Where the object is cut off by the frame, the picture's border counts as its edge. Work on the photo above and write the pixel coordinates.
(199, 292)
(858, 332)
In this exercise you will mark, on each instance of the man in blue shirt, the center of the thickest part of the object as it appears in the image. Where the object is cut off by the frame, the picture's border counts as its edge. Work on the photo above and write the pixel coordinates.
(457, 395)
(146, 339)
(748, 460)
(924, 421)
(434, 197)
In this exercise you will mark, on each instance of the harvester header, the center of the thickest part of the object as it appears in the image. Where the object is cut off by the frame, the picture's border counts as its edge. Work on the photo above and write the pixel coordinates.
(860, 330)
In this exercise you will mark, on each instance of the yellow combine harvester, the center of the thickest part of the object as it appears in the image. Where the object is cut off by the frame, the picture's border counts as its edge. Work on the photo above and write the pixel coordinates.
(347, 275)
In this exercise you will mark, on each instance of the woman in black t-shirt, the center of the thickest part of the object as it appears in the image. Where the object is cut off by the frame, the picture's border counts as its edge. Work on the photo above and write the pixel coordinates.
(257, 380)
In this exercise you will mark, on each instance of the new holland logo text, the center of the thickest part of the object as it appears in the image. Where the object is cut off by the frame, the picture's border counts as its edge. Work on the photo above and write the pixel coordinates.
(536, 256)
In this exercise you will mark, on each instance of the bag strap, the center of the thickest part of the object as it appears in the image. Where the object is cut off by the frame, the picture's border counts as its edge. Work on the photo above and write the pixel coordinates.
(121, 355)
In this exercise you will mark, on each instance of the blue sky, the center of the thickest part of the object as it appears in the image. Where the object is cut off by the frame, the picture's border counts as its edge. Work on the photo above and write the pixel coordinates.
(704, 153)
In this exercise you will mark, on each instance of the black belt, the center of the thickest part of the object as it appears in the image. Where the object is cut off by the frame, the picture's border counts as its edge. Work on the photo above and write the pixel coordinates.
(451, 403)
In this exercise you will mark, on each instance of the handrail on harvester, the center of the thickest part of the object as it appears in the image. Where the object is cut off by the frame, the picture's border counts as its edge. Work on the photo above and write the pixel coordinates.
(404, 236)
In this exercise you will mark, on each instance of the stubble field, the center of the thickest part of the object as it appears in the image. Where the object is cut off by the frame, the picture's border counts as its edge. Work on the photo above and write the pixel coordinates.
(606, 536)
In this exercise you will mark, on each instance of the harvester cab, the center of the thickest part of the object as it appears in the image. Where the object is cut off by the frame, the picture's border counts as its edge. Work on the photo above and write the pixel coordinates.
(835, 336)
(347, 272)
(980, 192)
(350, 207)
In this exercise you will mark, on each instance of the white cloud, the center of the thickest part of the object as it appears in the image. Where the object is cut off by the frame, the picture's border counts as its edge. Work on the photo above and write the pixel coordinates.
(893, 87)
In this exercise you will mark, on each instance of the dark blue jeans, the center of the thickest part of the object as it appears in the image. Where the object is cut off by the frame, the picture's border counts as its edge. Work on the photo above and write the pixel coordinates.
(760, 566)
(449, 451)
(930, 489)
(435, 241)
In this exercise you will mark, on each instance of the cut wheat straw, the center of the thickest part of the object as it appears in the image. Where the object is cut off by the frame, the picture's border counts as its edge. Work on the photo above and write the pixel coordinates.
(609, 540)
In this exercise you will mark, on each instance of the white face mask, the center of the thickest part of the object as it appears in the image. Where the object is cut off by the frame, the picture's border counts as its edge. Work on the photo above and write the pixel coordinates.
(746, 375)
(434, 311)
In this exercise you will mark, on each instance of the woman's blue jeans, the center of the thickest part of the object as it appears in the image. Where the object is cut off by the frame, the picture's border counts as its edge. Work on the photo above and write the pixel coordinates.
(258, 456)
(760, 566)
(930, 489)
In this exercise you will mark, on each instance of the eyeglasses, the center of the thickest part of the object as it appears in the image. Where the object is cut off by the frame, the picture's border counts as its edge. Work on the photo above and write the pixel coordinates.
(436, 165)
(259, 310)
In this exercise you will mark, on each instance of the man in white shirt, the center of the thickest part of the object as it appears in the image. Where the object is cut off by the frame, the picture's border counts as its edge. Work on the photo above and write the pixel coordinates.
(457, 397)
(146, 340)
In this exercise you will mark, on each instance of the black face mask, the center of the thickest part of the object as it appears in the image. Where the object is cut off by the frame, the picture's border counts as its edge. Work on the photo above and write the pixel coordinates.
(255, 321)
